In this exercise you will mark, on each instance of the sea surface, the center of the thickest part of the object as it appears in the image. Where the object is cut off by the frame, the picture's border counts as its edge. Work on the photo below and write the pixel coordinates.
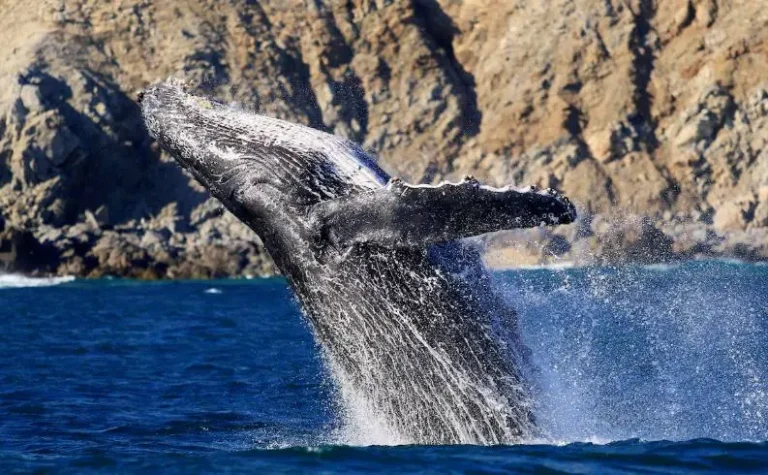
(660, 369)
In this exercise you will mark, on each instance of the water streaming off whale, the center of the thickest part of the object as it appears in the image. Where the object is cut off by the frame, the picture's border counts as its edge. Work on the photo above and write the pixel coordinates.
(672, 352)
(419, 376)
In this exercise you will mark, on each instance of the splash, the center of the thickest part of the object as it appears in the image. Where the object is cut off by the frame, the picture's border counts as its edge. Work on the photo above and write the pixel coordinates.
(651, 353)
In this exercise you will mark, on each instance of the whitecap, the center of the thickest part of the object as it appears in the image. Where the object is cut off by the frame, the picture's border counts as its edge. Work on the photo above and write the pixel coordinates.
(16, 281)
(559, 265)
(722, 260)
(213, 290)
(661, 267)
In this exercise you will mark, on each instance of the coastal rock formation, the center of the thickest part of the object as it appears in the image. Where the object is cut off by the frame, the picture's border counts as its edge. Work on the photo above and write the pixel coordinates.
(652, 116)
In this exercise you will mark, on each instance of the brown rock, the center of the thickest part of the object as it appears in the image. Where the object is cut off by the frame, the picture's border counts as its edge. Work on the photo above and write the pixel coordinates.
(632, 239)
(761, 210)
(735, 215)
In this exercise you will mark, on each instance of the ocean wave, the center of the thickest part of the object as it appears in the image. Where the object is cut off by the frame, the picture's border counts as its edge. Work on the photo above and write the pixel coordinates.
(724, 260)
(16, 281)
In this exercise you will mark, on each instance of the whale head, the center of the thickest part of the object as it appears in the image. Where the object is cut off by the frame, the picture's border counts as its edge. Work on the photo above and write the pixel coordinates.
(230, 150)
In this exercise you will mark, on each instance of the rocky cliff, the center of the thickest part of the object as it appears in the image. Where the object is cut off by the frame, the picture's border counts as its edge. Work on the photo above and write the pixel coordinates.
(652, 116)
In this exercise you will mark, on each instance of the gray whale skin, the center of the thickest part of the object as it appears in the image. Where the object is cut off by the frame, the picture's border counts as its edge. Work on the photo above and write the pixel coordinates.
(417, 341)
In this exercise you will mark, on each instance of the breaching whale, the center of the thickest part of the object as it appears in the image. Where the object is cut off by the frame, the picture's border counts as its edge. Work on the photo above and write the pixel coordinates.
(404, 311)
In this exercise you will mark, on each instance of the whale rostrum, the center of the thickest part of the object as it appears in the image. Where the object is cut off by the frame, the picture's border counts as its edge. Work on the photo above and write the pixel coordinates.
(421, 347)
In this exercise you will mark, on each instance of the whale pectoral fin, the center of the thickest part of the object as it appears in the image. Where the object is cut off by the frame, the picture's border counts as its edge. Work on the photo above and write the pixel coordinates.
(403, 215)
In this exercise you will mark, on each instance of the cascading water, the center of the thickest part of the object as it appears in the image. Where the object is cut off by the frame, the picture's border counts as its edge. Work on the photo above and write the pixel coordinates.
(656, 353)
(432, 376)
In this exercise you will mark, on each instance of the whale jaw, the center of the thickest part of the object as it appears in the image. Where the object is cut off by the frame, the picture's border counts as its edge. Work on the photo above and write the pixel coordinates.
(220, 144)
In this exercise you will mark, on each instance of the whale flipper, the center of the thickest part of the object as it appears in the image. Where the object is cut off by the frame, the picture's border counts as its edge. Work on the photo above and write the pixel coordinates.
(403, 215)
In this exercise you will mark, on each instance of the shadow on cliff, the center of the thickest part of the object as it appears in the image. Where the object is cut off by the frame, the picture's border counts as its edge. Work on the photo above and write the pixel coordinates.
(441, 29)
(106, 161)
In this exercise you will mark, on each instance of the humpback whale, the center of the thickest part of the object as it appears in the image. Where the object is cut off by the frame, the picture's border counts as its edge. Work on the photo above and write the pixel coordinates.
(402, 307)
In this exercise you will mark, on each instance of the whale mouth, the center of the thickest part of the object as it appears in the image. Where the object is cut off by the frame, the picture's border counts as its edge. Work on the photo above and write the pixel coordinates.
(161, 106)
(174, 118)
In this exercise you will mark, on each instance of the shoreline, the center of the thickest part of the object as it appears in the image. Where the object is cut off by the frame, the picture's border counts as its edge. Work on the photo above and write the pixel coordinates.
(35, 279)
(222, 247)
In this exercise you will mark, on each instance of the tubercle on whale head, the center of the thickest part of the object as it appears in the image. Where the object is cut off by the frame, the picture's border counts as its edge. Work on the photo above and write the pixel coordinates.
(177, 120)
(568, 214)
(162, 107)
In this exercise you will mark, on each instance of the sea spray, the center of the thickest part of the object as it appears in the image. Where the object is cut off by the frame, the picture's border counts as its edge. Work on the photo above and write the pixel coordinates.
(650, 352)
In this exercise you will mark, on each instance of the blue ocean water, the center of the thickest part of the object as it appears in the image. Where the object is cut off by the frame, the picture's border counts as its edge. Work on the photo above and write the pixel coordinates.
(646, 369)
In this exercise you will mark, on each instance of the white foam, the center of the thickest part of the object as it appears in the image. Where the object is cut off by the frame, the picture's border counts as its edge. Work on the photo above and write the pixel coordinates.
(722, 260)
(594, 440)
(16, 281)
(213, 290)
(662, 267)
(552, 266)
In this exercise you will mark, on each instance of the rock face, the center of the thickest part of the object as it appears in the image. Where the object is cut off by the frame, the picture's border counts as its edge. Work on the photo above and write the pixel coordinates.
(653, 116)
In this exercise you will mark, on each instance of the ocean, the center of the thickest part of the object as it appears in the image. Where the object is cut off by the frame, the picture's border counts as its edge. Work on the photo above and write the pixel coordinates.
(657, 369)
